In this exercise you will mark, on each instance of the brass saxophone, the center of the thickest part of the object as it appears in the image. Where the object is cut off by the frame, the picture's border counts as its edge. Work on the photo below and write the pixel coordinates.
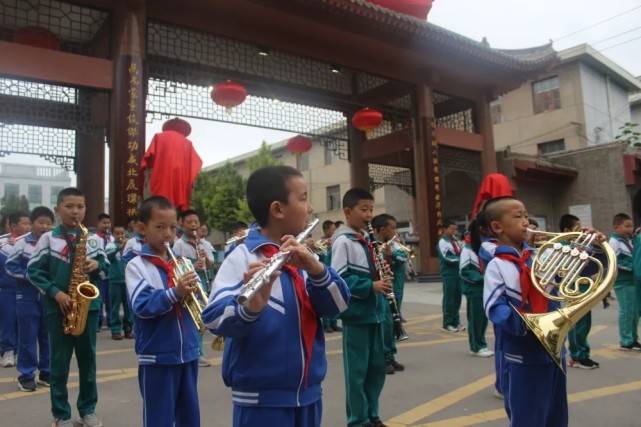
(81, 290)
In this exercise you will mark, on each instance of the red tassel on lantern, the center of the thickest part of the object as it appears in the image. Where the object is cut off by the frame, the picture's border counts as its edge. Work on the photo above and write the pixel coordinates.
(367, 120)
(228, 94)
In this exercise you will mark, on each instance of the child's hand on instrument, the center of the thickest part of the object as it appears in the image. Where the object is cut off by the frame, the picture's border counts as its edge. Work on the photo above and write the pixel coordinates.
(186, 284)
(382, 286)
(90, 265)
(260, 299)
(600, 237)
(301, 257)
(64, 302)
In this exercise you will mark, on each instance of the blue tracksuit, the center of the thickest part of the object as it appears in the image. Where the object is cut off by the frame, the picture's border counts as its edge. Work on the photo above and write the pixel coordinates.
(166, 345)
(264, 358)
(33, 340)
(530, 370)
(132, 248)
(8, 316)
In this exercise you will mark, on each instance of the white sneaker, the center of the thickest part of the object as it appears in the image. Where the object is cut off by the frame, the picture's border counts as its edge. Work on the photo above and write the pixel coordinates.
(450, 328)
(90, 420)
(8, 359)
(63, 423)
(484, 352)
(497, 394)
(460, 328)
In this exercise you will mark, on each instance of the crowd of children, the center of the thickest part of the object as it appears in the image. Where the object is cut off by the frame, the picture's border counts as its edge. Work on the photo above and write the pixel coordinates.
(142, 299)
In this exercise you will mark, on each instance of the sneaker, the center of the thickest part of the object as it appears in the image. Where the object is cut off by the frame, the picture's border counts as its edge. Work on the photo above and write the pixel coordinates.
(584, 364)
(376, 422)
(484, 352)
(497, 394)
(27, 384)
(43, 379)
(449, 328)
(337, 328)
(403, 320)
(8, 359)
(129, 335)
(398, 367)
(460, 328)
(389, 368)
(631, 347)
(116, 337)
(203, 363)
(63, 423)
(328, 329)
(90, 420)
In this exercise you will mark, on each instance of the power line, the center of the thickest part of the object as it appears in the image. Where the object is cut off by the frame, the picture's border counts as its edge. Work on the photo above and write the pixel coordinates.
(621, 43)
(597, 23)
(615, 36)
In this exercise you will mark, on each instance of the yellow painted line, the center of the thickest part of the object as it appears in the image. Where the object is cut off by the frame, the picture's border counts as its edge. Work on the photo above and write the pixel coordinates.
(499, 414)
(410, 322)
(406, 344)
(115, 351)
(438, 404)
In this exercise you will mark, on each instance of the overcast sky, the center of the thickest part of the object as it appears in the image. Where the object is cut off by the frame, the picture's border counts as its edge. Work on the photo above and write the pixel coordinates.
(505, 23)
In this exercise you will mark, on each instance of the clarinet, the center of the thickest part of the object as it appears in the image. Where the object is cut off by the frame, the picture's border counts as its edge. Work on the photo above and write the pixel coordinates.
(263, 276)
(385, 273)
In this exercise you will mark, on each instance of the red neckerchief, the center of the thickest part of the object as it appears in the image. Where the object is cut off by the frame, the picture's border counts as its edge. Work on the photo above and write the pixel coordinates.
(457, 250)
(529, 294)
(308, 317)
(104, 236)
(70, 249)
(168, 268)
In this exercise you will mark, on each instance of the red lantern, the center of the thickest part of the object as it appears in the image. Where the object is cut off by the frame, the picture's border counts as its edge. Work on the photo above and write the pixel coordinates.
(228, 94)
(179, 125)
(37, 37)
(367, 119)
(416, 8)
(299, 144)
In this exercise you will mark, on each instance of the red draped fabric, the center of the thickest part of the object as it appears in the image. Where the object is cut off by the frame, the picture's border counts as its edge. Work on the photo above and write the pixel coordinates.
(417, 8)
(174, 166)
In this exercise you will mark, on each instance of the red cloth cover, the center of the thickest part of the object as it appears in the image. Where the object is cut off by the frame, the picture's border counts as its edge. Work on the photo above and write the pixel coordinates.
(493, 185)
(416, 8)
(174, 166)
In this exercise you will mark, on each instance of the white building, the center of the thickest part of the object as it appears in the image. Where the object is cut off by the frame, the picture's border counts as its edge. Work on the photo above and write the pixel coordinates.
(39, 184)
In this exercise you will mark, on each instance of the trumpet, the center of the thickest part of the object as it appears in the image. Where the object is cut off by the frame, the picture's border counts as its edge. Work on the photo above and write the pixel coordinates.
(275, 263)
(557, 274)
(196, 301)
(409, 252)
(321, 246)
(17, 239)
(238, 239)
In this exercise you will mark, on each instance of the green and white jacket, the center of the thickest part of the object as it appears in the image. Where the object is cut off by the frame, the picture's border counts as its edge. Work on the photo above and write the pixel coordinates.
(622, 247)
(50, 266)
(352, 261)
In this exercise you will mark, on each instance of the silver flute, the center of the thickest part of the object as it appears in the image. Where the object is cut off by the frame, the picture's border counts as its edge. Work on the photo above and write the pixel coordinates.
(275, 263)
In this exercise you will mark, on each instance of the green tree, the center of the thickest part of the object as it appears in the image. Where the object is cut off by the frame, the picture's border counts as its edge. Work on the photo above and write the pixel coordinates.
(263, 158)
(216, 196)
(629, 134)
(13, 203)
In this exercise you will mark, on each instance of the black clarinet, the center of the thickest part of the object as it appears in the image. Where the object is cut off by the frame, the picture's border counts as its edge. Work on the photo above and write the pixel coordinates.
(385, 273)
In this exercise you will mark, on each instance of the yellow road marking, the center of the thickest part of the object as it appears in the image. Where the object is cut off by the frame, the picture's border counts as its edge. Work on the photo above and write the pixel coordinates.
(499, 414)
(436, 405)
(411, 344)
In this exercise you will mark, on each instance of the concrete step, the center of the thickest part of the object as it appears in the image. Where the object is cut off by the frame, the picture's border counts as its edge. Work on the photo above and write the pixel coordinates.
(428, 278)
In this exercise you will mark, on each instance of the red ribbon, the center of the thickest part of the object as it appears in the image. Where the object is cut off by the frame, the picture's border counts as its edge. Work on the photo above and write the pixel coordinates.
(529, 293)
(455, 246)
(308, 317)
(168, 268)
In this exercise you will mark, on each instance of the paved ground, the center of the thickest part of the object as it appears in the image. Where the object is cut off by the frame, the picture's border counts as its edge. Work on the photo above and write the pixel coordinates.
(442, 386)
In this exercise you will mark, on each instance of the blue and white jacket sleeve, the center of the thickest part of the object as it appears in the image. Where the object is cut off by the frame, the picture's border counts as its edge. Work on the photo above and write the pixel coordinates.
(129, 252)
(223, 315)
(499, 295)
(328, 293)
(147, 301)
(16, 264)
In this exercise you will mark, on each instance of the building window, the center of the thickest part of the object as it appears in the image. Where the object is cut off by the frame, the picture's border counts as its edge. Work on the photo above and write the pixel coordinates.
(334, 198)
(35, 194)
(551, 147)
(496, 111)
(546, 95)
(302, 162)
(330, 154)
(54, 195)
(11, 190)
